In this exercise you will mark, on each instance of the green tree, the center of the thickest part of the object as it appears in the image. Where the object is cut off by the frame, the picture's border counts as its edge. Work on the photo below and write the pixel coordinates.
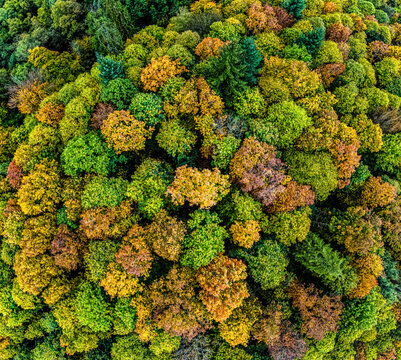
(267, 263)
(103, 191)
(314, 169)
(295, 7)
(251, 59)
(290, 120)
(87, 154)
(205, 239)
(148, 108)
(118, 92)
(225, 73)
(110, 69)
(91, 308)
(148, 186)
(326, 263)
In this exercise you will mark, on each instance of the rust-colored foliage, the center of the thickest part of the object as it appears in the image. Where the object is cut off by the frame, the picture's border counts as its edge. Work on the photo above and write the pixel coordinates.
(208, 47)
(37, 234)
(293, 196)
(329, 72)
(67, 248)
(261, 18)
(284, 19)
(259, 172)
(223, 286)
(159, 71)
(267, 328)
(338, 33)
(15, 173)
(134, 254)
(388, 119)
(320, 313)
(166, 234)
(50, 114)
(125, 133)
(245, 233)
(377, 50)
(368, 268)
(289, 346)
(176, 308)
(329, 7)
(203, 188)
(27, 96)
(100, 114)
(104, 222)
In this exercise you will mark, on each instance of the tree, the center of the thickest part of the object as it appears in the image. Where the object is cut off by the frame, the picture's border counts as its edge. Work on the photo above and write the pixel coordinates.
(176, 309)
(295, 7)
(222, 286)
(332, 269)
(118, 283)
(33, 274)
(237, 328)
(125, 133)
(225, 72)
(134, 254)
(147, 108)
(289, 227)
(37, 234)
(252, 60)
(259, 172)
(159, 71)
(58, 67)
(290, 121)
(316, 170)
(103, 222)
(66, 16)
(87, 154)
(27, 96)
(203, 188)
(103, 191)
(175, 139)
(67, 248)
(40, 189)
(91, 308)
(166, 235)
(110, 69)
(148, 186)
(267, 264)
(245, 233)
(204, 240)
(320, 313)
(118, 92)
(208, 47)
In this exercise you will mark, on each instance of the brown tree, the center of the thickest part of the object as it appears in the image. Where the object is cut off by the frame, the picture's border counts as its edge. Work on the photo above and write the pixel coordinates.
(320, 313)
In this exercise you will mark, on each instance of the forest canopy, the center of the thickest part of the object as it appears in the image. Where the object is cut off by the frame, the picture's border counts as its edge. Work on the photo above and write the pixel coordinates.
(200, 180)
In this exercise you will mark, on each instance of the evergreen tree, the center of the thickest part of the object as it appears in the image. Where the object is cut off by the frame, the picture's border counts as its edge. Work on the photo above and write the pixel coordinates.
(312, 40)
(110, 69)
(225, 73)
(319, 258)
(295, 7)
(251, 59)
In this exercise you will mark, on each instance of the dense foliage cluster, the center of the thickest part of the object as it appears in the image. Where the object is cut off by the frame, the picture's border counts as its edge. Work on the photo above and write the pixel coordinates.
(200, 179)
